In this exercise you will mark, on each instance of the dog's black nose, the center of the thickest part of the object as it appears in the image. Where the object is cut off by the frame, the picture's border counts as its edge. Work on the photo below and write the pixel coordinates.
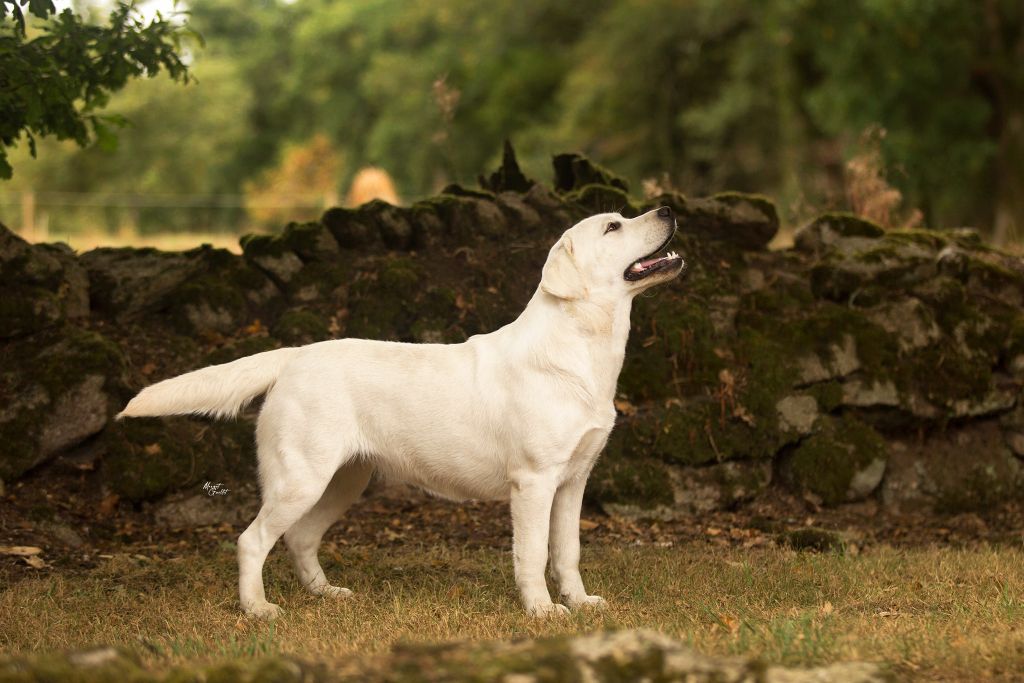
(665, 212)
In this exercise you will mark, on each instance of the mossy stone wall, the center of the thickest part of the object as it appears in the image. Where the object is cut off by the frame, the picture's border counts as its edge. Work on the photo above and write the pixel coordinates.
(821, 369)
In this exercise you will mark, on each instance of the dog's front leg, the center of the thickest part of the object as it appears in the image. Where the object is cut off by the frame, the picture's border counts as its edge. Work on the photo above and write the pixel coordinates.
(531, 498)
(565, 545)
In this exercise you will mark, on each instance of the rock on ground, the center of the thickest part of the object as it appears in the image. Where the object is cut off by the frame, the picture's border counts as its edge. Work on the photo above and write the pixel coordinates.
(599, 658)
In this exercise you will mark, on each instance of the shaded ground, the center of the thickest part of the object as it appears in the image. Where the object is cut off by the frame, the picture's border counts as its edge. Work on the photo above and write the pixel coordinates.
(930, 596)
(60, 510)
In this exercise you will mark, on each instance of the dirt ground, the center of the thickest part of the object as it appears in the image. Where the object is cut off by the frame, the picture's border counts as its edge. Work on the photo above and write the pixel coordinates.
(60, 510)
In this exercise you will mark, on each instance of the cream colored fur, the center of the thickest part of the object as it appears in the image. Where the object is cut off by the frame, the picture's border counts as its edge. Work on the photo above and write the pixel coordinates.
(519, 414)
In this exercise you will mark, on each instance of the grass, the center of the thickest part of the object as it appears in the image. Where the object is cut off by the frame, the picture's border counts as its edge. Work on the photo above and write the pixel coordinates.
(927, 611)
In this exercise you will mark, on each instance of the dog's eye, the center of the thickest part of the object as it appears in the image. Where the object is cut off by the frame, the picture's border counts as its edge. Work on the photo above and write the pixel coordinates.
(614, 225)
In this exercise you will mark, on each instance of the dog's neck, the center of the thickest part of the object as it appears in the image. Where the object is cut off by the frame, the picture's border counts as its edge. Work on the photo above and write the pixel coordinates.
(583, 341)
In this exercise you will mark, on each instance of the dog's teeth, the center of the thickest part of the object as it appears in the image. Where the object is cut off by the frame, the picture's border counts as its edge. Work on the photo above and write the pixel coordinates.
(636, 268)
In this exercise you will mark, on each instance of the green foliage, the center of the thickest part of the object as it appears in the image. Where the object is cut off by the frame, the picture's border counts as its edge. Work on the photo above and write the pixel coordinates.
(53, 81)
(695, 95)
(913, 67)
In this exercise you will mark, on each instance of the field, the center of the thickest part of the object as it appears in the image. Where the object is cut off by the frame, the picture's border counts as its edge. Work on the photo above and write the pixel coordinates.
(925, 610)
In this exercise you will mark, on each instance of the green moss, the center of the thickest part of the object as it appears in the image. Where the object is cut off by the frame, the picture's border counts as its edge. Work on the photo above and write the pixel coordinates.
(299, 326)
(827, 462)
(350, 228)
(864, 278)
(626, 475)
(318, 280)
(456, 190)
(240, 349)
(49, 367)
(385, 307)
(462, 220)
(310, 241)
(979, 483)
(847, 225)
(207, 304)
(24, 310)
(263, 245)
(573, 171)
(997, 279)
(730, 224)
(671, 349)
(245, 277)
(602, 199)
(929, 239)
(78, 354)
(1014, 344)
(393, 223)
(713, 430)
(810, 538)
(19, 442)
(145, 458)
(829, 395)
(437, 316)
(943, 376)
(761, 202)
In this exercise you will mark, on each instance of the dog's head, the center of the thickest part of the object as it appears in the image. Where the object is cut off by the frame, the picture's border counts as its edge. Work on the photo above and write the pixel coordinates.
(607, 254)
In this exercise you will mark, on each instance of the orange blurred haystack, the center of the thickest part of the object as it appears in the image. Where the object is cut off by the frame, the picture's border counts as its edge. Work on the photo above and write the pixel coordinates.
(369, 184)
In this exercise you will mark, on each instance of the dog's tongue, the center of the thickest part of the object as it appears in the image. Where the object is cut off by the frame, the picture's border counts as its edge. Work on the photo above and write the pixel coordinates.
(641, 266)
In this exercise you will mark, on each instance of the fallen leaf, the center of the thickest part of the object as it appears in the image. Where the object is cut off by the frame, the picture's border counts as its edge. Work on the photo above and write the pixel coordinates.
(20, 550)
(587, 525)
(152, 449)
(148, 369)
(625, 407)
(732, 624)
(742, 413)
(826, 609)
(35, 562)
(109, 504)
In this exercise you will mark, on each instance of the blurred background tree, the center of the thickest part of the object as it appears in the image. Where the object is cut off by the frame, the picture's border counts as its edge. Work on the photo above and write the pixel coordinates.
(814, 102)
(56, 77)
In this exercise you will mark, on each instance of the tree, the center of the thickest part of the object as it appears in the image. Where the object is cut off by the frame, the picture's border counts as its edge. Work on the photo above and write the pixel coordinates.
(945, 79)
(54, 80)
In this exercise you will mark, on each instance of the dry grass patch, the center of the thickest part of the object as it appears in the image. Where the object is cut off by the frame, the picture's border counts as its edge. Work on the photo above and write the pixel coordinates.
(939, 611)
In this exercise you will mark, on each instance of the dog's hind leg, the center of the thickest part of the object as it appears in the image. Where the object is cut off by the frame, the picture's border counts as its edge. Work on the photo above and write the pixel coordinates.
(303, 538)
(288, 494)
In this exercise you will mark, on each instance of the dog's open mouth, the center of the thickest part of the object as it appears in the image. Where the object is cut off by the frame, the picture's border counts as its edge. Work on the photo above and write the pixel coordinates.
(649, 265)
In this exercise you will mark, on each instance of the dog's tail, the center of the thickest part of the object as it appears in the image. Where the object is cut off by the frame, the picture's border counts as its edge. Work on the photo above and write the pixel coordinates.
(218, 391)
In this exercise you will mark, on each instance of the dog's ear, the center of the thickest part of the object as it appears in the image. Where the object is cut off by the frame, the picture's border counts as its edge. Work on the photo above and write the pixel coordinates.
(561, 276)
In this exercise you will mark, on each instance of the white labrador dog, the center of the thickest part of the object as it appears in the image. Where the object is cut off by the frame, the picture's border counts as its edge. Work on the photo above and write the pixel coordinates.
(519, 414)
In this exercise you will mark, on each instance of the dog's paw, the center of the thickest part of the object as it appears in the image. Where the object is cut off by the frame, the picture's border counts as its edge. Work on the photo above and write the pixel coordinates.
(334, 592)
(267, 611)
(587, 602)
(548, 610)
